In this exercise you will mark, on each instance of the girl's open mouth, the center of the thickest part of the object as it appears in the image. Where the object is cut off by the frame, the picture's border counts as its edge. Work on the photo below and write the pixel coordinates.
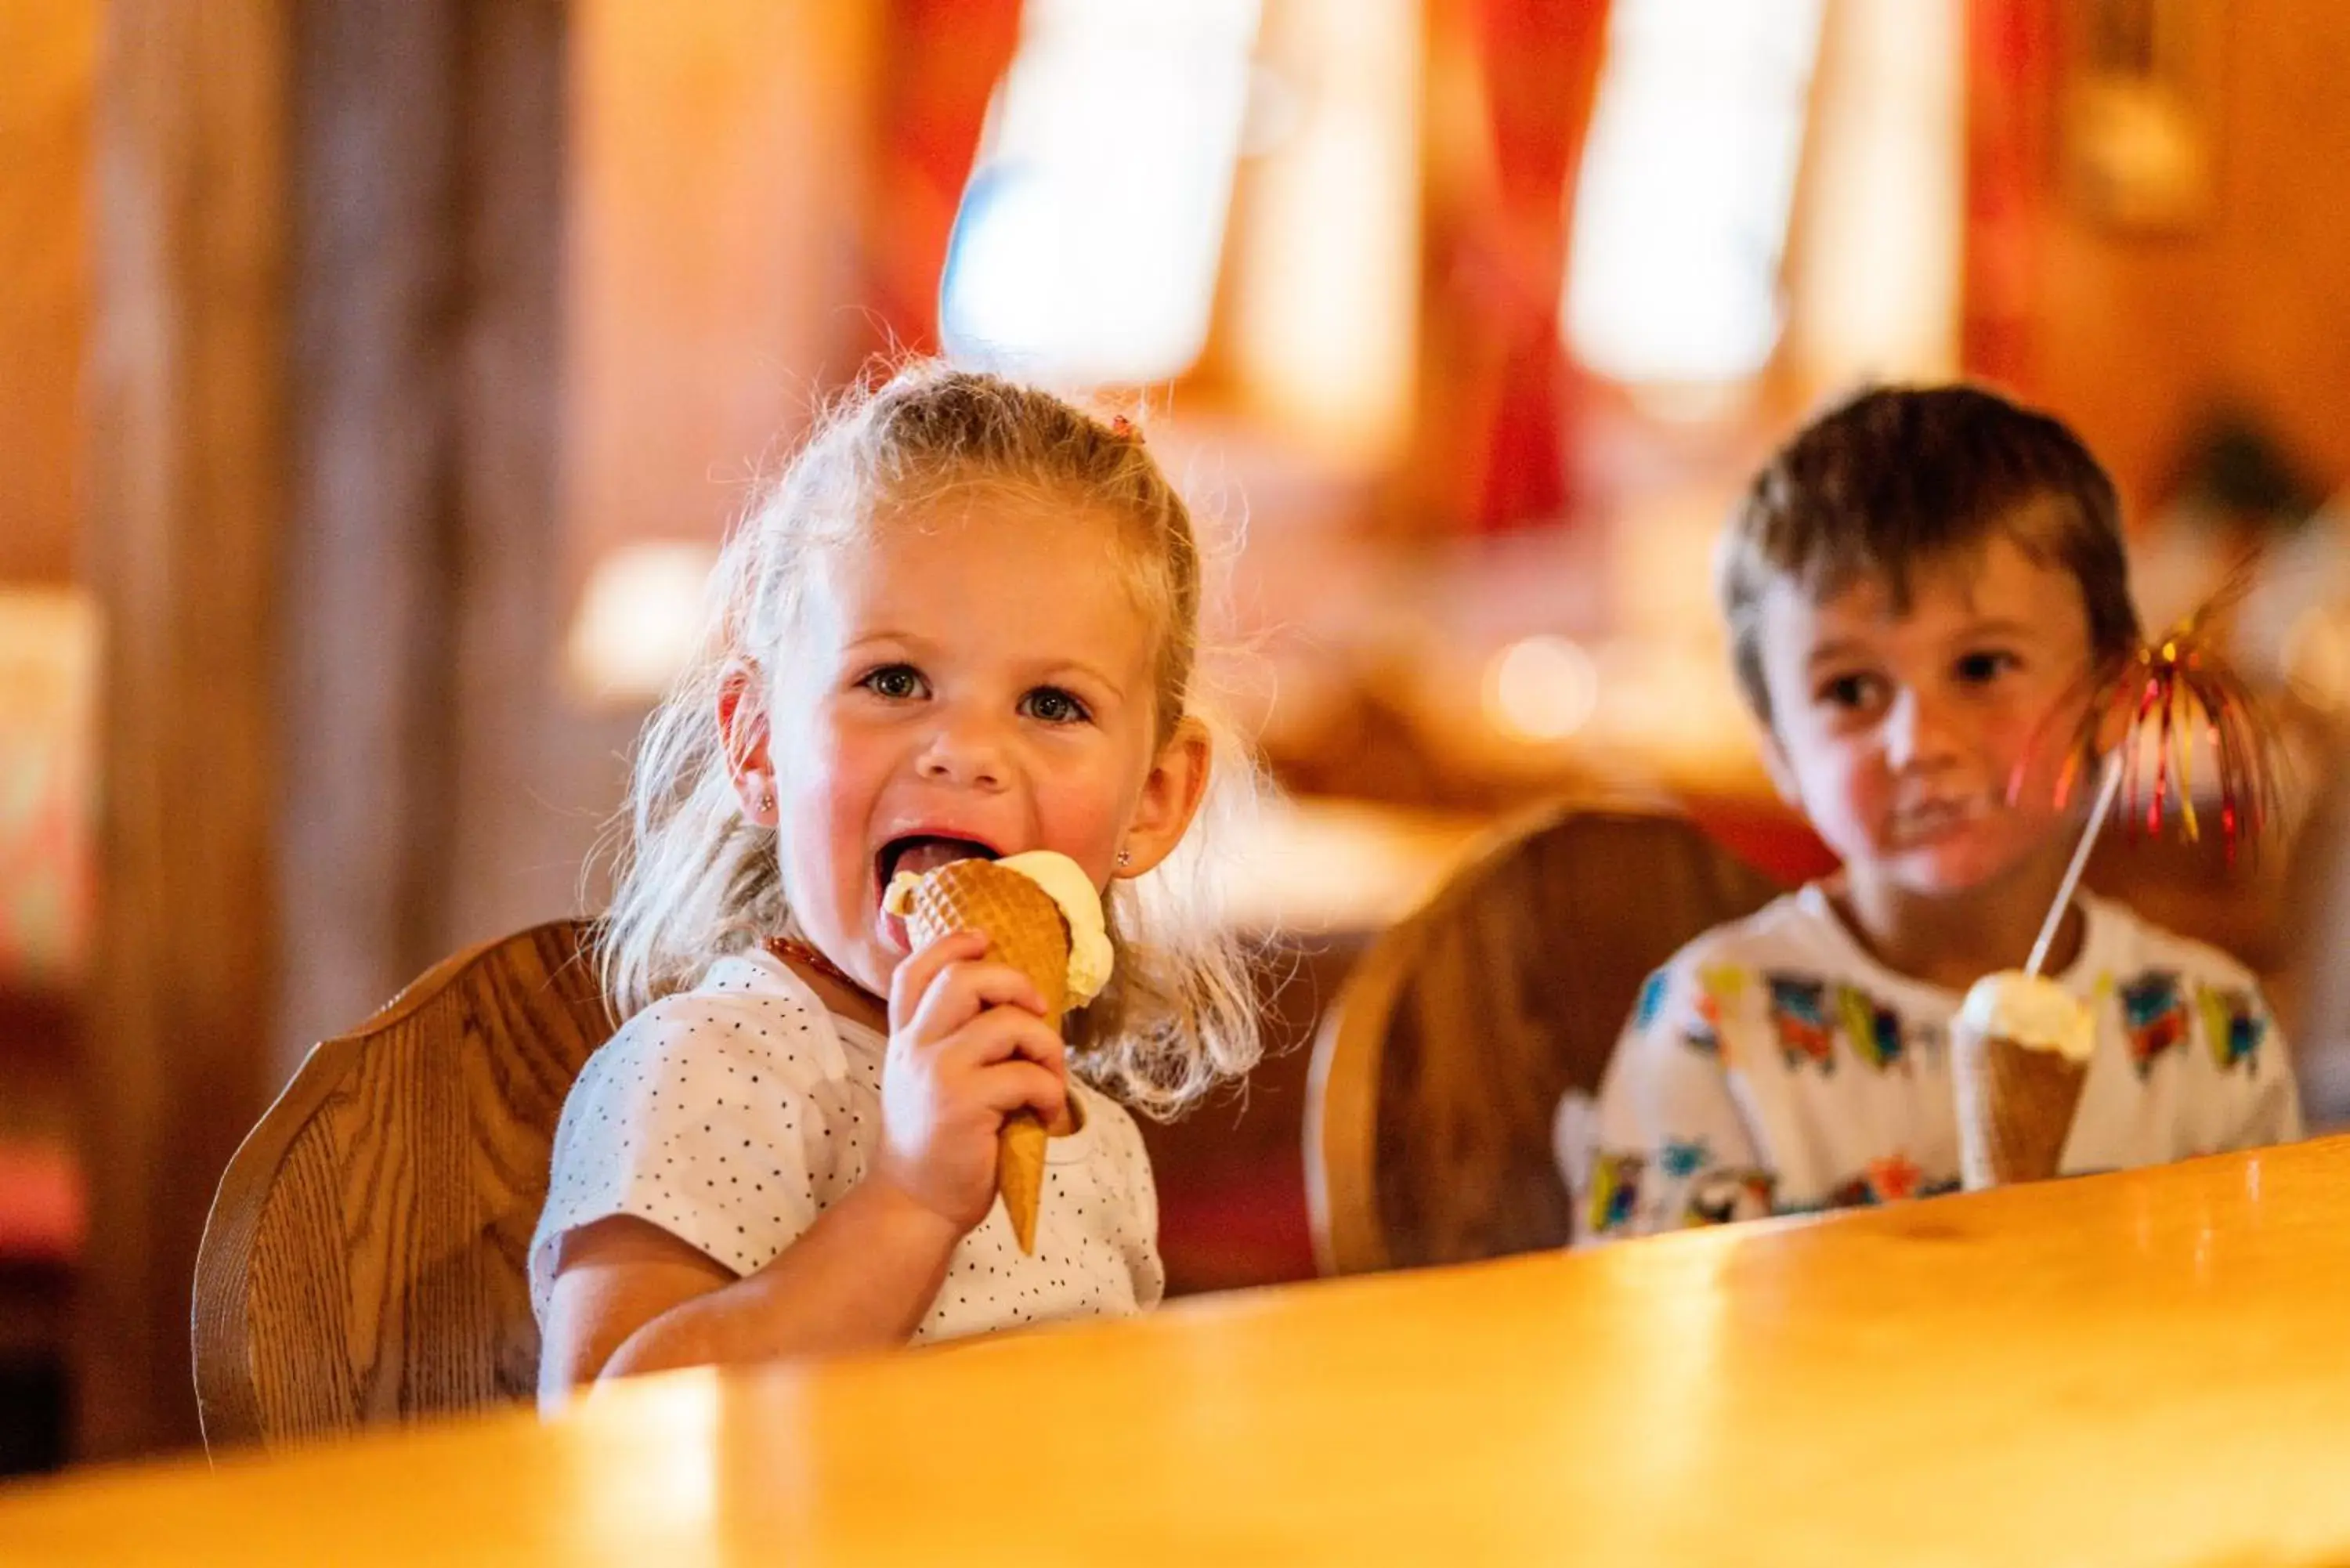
(924, 852)
(920, 853)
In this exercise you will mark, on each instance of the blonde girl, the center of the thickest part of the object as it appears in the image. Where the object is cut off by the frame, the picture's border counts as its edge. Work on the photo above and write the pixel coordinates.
(964, 621)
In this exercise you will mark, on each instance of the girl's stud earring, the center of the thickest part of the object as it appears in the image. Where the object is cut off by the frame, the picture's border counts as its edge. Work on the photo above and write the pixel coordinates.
(1125, 858)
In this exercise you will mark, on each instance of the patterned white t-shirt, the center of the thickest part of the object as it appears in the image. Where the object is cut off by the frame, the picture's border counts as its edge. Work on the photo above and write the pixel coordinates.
(1774, 1066)
(731, 1115)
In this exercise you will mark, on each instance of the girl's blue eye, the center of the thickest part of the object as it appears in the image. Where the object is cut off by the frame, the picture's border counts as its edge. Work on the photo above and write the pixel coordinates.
(1054, 706)
(897, 682)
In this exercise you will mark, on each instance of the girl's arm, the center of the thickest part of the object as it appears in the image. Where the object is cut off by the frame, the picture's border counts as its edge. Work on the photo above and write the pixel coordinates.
(967, 1046)
(630, 1297)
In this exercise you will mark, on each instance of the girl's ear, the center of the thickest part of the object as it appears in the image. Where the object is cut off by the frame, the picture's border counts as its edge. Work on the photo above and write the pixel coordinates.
(743, 730)
(1171, 797)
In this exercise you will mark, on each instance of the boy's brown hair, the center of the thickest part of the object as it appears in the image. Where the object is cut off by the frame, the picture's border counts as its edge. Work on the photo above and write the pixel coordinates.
(1898, 477)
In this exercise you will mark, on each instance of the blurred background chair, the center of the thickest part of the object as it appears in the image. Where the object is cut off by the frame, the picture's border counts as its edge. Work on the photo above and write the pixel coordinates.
(365, 1257)
(1436, 1073)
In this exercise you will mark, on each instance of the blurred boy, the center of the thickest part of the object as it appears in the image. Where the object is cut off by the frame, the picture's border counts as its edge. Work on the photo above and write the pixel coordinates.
(1917, 586)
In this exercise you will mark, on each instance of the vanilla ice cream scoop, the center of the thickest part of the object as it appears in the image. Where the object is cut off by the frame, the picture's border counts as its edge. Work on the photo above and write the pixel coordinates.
(1091, 955)
(2032, 1012)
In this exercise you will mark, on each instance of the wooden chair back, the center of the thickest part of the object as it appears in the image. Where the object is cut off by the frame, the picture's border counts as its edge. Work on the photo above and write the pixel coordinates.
(364, 1258)
(1438, 1072)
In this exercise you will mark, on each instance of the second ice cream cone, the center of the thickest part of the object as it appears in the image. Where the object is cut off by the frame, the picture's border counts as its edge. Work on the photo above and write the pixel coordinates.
(1025, 929)
(2015, 1109)
(2020, 1050)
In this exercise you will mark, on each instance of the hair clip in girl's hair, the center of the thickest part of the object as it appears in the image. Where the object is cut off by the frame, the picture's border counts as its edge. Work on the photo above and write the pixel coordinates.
(1123, 428)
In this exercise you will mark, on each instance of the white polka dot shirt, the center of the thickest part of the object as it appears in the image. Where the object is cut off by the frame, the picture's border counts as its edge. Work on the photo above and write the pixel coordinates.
(731, 1115)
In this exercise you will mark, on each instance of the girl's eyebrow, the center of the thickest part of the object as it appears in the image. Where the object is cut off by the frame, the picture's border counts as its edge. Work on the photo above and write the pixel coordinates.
(1056, 667)
(906, 639)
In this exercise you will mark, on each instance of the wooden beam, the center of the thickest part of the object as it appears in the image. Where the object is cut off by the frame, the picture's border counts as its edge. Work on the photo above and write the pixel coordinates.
(419, 658)
(328, 330)
(187, 498)
(519, 751)
(370, 442)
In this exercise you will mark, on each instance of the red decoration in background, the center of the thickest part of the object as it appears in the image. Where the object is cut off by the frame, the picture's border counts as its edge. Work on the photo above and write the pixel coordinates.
(43, 1203)
(939, 63)
(2012, 67)
(1541, 62)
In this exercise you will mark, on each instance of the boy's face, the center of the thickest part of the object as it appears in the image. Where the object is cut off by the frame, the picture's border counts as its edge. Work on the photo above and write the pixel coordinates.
(1898, 733)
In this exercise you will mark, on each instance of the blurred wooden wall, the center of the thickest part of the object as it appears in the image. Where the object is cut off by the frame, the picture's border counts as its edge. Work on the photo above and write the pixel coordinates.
(422, 604)
(2134, 332)
(49, 51)
(187, 510)
(721, 161)
(325, 346)
(48, 65)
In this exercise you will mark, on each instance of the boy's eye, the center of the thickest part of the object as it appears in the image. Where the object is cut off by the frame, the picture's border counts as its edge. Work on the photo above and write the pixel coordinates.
(897, 682)
(1983, 667)
(1849, 692)
(1052, 705)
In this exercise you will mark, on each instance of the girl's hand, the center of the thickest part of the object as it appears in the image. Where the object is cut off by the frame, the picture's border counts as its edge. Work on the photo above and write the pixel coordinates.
(967, 1046)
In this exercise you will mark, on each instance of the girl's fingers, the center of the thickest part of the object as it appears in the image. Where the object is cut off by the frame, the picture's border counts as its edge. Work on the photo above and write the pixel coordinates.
(1005, 1034)
(965, 989)
(1019, 1085)
(911, 980)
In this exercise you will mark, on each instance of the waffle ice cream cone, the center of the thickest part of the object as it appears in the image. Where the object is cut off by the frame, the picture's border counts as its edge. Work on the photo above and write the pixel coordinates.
(1028, 925)
(2020, 1050)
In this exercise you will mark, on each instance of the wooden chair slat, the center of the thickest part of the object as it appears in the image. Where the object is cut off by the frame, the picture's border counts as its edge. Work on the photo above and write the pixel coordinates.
(365, 1257)
(1438, 1072)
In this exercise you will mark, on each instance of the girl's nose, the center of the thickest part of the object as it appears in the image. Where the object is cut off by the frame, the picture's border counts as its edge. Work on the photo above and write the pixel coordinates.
(964, 751)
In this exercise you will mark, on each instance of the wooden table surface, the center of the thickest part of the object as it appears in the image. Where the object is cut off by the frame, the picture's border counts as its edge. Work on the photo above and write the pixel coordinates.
(2151, 1368)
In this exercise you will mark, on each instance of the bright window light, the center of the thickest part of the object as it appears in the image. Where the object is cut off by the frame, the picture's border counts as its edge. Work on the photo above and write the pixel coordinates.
(1542, 688)
(1688, 175)
(1086, 248)
(1874, 292)
(1325, 284)
(639, 621)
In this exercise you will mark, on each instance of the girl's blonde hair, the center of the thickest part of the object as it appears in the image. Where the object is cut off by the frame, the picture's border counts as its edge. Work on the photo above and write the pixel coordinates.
(696, 880)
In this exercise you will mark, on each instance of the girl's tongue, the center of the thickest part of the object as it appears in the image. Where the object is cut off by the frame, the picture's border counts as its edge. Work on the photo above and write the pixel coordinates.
(924, 856)
(919, 858)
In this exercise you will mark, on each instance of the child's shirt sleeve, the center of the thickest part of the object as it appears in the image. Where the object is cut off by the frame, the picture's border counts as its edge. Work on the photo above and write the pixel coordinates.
(719, 1118)
(1668, 1144)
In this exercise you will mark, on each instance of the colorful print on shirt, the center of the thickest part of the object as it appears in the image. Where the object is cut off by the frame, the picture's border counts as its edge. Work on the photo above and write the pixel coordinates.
(1799, 1018)
(1875, 1031)
(1718, 986)
(2233, 1025)
(1719, 1196)
(1683, 1157)
(1614, 1191)
(2153, 1017)
(1889, 1178)
(1652, 999)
